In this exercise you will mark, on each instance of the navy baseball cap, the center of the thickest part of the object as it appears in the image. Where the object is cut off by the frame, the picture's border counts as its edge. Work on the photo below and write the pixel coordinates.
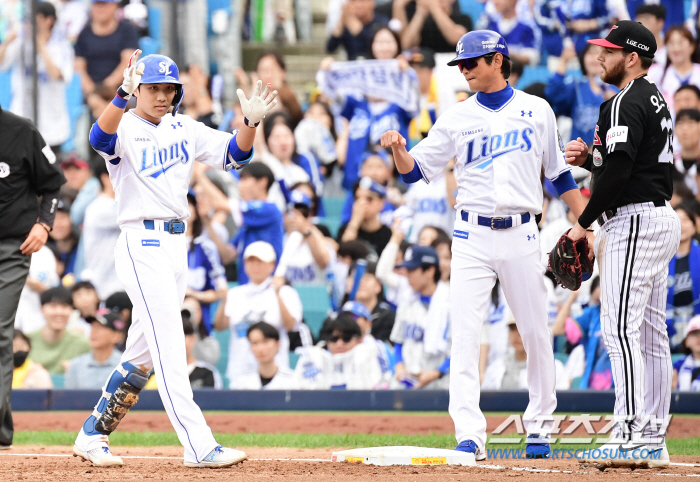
(629, 35)
(418, 256)
(357, 309)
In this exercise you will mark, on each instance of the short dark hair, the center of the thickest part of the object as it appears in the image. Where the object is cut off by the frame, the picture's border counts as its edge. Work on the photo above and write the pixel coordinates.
(83, 285)
(59, 294)
(644, 61)
(278, 58)
(506, 66)
(437, 275)
(687, 209)
(345, 323)
(692, 87)
(692, 114)
(20, 334)
(355, 249)
(46, 9)
(259, 170)
(393, 34)
(268, 331)
(658, 11)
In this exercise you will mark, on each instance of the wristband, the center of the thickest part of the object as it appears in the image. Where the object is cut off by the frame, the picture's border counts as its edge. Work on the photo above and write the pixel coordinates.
(45, 226)
(120, 101)
(248, 123)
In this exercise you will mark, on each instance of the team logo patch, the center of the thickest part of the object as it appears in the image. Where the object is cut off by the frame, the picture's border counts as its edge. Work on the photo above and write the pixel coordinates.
(561, 143)
(4, 170)
(596, 138)
(597, 158)
(150, 242)
(616, 134)
(48, 153)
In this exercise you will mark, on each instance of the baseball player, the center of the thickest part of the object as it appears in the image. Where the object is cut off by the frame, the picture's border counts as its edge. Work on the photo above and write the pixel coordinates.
(632, 162)
(501, 138)
(150, 154)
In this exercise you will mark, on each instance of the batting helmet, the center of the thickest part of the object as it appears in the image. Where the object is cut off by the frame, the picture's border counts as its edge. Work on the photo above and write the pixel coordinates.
(159, 69)
(478, 43)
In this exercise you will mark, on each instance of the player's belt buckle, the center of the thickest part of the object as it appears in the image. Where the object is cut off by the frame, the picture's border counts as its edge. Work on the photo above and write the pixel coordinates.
(176, 227)
(498, 220)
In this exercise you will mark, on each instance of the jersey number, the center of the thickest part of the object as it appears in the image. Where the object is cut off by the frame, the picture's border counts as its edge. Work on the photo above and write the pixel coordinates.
(667, 152)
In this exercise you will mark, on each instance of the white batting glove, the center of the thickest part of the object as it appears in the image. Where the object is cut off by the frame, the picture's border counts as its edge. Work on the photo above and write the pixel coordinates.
(255, 108)
(132, 76)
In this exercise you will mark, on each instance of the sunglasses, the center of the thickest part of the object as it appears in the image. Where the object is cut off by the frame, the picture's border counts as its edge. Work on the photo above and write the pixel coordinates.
(472, 63)
(347, 338)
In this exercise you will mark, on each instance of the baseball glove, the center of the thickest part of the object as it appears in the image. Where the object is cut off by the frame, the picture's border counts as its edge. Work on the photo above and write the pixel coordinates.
(569, 262)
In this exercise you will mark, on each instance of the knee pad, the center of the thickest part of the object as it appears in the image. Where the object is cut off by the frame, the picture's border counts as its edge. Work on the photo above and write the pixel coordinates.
(118, 396)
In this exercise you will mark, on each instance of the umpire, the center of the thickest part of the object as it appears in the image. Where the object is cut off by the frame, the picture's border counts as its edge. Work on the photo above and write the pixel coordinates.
(631, 164)
(28, 169)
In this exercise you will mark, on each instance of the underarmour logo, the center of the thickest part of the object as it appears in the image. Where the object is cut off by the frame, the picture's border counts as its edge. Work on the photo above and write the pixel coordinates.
(531, 237)
(176, 126)
(522, 113)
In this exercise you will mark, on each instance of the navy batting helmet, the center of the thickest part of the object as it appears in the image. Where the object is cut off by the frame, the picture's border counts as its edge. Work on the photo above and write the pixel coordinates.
(478, 43)
(159, 69)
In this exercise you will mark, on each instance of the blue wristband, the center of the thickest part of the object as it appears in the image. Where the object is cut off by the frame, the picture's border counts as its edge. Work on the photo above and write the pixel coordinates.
(120, 102)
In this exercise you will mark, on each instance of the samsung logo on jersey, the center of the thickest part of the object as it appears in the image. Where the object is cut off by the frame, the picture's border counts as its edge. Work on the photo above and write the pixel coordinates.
(497, 145)
(155, 162)
(472, 132)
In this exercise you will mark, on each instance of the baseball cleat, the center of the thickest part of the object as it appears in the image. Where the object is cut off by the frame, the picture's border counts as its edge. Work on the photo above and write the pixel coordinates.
(620, 453)
(95, 449)
(470, 447)
(537, 450)
(218, 458)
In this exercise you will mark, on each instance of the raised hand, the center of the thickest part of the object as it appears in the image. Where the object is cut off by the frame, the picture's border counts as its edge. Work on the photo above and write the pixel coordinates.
(255, 108)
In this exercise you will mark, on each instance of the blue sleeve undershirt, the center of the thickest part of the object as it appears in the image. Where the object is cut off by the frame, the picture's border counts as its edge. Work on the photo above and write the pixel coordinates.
(237, 153)
(414, 176)
(398, 352)
(564, 183)
(445, 367)
(101, 141)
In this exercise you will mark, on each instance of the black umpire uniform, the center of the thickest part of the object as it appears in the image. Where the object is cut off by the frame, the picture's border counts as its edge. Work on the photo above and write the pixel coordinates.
(631, 164)
(28, 169)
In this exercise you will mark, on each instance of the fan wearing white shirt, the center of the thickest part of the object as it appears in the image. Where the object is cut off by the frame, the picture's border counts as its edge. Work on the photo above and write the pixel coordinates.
(263, 298)
(264, 341)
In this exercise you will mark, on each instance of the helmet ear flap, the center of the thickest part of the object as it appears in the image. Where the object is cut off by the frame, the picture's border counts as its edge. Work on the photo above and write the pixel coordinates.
(177, 100)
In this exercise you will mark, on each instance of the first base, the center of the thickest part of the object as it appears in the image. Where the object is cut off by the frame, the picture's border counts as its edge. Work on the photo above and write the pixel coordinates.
(404, 456)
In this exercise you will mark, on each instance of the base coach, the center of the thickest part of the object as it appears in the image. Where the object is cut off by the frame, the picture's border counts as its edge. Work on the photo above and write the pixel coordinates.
(28, 170)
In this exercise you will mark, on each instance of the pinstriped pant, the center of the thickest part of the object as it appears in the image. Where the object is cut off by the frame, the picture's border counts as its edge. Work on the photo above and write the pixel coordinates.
(633, 250)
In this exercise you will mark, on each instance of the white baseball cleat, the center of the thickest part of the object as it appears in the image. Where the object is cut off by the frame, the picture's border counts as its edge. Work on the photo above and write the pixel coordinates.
(620, 453)
(218, 458)
(95, 449)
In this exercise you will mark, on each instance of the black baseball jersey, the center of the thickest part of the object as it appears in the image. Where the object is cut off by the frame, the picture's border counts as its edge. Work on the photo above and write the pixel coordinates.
(636, 121)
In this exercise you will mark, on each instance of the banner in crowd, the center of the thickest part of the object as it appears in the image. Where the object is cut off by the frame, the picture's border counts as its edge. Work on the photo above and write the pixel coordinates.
(382, 79)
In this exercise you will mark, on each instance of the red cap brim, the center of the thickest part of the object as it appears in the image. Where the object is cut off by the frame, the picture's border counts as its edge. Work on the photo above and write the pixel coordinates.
(604, 43)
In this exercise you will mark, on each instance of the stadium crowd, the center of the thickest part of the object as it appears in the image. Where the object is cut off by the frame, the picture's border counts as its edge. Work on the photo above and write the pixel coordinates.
(315, 267)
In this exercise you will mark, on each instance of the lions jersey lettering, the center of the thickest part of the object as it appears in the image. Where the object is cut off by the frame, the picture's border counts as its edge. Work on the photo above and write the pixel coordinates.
(155, 162)
(498, 145)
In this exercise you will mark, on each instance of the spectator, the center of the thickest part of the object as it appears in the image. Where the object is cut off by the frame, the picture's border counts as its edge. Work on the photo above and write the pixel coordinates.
(686, 97)
(82, 188)
(522, 37)
(579, 98)
(120, 304)
(316, 134)
(263, 298)
(87, 302)
(364, 223)
(54, 73)
(587, 19)
(72, 17)
(206, 278)
(421, 332)
(355, 29)
(429, 234)
(53, 346)
(27, 374)
(436, 24)
(348, 253)
(283, 158)
(64, 238)
(686, 372)
(371, 294)
(264, 342)
(653, 17)
(680, 67)
(201, 374)
(683, 300)
(687, 133)
(104, 46)
(394, 279)
(347, 364)
(431, 208)
(308, 261)
(422, 60)
(594, 367)
(443, 247)
(42, 276)
(89, 370)
(207, 348)
(197, 101)
(510, 373)
(100, 235)
(376, 165)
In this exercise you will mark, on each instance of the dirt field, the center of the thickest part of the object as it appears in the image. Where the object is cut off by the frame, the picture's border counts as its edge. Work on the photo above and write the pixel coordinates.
(55, 463)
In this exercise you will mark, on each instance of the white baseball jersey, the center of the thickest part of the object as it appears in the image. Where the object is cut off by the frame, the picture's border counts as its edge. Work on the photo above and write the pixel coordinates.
(151, 165)
(318, 369)
(499, 153)
(283, 380)
(43, 267)
(430, 207)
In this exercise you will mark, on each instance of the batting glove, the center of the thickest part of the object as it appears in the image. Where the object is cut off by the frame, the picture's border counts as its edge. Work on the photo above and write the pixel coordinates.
(132, 76)
(255, 108)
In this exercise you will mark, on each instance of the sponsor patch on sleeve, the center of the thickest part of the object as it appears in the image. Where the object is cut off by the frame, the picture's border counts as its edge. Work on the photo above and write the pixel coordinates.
(48, 153)
(617, 134)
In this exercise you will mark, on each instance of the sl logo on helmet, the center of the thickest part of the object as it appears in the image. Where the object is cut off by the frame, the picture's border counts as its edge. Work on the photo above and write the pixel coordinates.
(460, 47)
(164, 68)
